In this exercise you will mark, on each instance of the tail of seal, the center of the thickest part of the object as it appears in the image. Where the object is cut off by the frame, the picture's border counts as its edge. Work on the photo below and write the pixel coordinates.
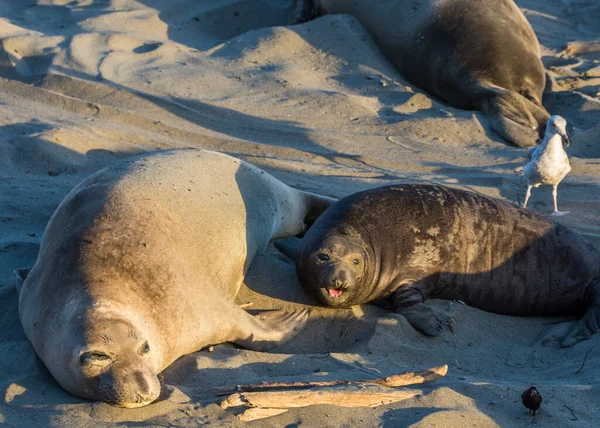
(590, 322)
(298, 211)
(315, 206)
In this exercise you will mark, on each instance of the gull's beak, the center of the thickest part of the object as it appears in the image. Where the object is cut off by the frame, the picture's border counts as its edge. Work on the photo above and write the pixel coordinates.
(565, 138)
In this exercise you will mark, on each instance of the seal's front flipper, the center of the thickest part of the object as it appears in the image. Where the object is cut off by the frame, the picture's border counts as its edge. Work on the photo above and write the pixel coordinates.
(426, 319)
(408, 302)
(289, 247)
(270, 328)
(515, 118)
(20, 277)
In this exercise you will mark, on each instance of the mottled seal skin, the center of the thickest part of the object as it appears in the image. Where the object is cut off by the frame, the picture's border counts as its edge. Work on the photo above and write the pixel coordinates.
(475, 54)
(408, 243)
(141, 262)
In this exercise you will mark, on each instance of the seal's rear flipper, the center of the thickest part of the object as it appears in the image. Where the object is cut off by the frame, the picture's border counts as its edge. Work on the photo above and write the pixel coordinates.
(515, 118)
(289, 247)
(20, 276)
(590, 321)
(585, 327)
(315, 206)
(270, 328)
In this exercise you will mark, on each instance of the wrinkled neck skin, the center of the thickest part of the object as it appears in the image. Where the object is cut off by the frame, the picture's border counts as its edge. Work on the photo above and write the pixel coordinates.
(392, 269)
(374, 281)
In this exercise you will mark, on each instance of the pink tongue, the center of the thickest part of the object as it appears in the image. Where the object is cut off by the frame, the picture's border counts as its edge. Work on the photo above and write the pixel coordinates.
(335, 293)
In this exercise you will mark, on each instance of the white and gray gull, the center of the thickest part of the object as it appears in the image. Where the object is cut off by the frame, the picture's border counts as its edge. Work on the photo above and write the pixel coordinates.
(549, 162)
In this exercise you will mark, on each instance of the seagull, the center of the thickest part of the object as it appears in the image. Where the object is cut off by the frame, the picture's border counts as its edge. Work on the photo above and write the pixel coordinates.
(532, 399)
(549, 162)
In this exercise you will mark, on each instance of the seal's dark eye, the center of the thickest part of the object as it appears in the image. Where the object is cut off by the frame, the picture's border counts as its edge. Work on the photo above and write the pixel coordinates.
(144, 349)
(93, 357)
(323, 257)
(356, 261)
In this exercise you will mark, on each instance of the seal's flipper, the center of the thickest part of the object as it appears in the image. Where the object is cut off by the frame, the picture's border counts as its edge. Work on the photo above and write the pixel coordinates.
(270, 328)
(590, 322)
(289, 247)
(315, 206)
(514, 117)
(426, 319)
(20, 277)
(585, 327)
(408, 302)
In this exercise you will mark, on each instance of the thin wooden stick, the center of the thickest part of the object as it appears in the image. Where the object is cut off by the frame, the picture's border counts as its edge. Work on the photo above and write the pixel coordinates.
(293, 399)
(255, 413)
(578, 47)
(410, 378)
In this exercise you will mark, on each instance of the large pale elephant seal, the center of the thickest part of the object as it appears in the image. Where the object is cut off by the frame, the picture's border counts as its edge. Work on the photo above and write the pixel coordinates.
(475, 54)
(408, 243)
(141, 262)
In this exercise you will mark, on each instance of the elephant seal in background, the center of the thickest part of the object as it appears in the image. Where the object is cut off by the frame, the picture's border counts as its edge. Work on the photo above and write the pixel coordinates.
(141, 262)
(475, 54)
(408, 243)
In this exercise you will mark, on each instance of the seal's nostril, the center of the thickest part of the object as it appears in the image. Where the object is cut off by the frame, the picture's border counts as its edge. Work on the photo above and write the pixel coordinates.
(338, 284)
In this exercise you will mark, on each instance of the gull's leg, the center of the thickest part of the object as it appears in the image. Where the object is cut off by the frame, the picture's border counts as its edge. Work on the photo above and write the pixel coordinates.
(556, 212)
(527, 195)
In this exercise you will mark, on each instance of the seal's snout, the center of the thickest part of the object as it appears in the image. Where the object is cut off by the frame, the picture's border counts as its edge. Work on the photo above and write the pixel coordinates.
(129, 387)
(148, 387)
(338, 283)
(138, 389)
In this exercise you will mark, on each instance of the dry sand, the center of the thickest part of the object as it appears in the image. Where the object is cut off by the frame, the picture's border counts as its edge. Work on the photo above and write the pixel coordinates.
(86, 82)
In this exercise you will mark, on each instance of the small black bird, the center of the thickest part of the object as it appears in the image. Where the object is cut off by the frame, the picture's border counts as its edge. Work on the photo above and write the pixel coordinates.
(532, 399)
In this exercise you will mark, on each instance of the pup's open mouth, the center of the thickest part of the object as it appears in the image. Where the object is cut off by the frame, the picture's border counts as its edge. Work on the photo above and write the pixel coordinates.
(335, 293)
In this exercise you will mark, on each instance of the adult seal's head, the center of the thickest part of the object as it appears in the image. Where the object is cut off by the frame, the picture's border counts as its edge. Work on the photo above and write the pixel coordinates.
(104, 354)
(116, 364)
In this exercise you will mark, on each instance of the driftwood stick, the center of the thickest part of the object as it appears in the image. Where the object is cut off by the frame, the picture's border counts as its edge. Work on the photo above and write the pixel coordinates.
(413, 378)
(292, 399)
(410, 378)
(577, 47)
(255, 413)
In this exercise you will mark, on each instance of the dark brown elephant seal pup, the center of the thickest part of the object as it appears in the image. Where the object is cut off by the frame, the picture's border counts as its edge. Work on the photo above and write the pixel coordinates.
(475, 54)
(408, 243)
(141, 262)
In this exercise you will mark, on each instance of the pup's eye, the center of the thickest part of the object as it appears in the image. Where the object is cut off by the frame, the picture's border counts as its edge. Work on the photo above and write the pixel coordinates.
(144, 349)
(323, 257)
(93, 357)
(356, 261)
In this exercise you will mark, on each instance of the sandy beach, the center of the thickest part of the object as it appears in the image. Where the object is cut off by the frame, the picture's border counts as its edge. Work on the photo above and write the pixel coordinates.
(84, 83)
